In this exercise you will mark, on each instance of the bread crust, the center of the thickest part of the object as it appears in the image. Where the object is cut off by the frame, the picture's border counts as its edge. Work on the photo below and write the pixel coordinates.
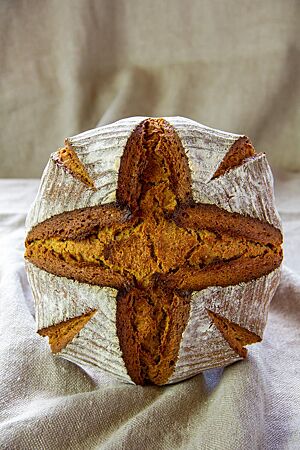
(155, 213)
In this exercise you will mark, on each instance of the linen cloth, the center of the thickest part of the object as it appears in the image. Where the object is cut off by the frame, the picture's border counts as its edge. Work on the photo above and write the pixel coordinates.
(65, 65)
(48, 403)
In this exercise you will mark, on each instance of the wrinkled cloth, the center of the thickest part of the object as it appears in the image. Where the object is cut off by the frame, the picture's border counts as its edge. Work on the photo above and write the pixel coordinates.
(49, 403)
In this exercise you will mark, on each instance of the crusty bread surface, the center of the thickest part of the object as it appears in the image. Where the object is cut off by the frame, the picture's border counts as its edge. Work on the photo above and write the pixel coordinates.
(155, 245)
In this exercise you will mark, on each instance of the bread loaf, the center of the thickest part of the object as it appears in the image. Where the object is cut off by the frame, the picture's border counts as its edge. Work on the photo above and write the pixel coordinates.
(153, 249)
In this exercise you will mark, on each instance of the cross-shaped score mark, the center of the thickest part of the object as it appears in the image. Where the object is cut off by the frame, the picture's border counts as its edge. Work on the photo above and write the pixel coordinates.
(156, 246)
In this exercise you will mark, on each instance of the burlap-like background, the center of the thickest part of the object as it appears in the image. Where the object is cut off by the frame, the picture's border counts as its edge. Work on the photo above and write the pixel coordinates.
(232, 65)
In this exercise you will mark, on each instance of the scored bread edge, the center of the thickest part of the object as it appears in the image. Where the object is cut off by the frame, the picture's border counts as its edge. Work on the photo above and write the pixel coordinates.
(100, 151)
(238, 190)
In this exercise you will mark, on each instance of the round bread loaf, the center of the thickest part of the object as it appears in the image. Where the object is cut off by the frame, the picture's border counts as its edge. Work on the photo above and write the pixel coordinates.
(153, 249)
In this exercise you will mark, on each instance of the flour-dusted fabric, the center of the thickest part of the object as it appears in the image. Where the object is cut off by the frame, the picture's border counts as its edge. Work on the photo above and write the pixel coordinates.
(48, 403)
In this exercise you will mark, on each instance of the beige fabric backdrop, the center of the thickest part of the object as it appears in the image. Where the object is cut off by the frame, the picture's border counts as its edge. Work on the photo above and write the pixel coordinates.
(233, 65)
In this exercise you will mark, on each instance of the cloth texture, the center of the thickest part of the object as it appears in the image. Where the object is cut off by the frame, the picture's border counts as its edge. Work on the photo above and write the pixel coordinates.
(65, 66)
(231, 65)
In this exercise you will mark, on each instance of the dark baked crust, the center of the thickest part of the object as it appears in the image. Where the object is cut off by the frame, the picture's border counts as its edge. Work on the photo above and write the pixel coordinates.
(135, 163)
(245, 268)
(211, 217)
(68, 159)
(156, 246)
(79, 223)
(241, 150)
(80, 271)
(62, 333)
(236, 336)
(149, 326)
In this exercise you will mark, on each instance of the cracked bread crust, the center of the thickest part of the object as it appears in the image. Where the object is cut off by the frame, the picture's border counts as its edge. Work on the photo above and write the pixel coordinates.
(67, 158)
(156, 245)
(239, 152)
